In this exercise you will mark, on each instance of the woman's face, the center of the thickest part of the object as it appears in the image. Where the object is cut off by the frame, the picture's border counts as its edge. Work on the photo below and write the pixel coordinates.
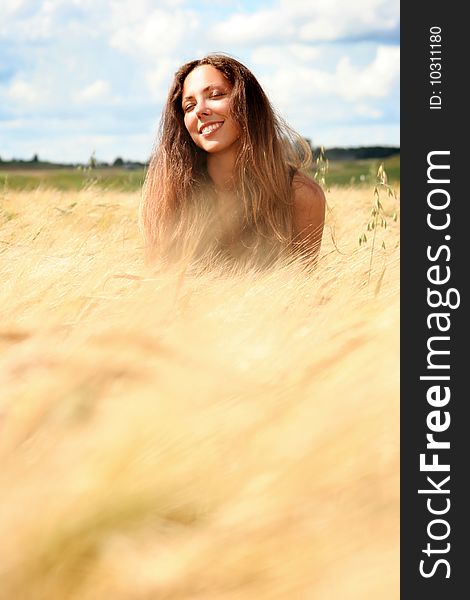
(206, 102)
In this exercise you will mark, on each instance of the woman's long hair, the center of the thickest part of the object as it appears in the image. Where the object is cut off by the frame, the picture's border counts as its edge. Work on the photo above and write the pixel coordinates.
(270, 152)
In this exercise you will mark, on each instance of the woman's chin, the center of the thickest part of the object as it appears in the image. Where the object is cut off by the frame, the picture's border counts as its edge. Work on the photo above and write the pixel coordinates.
(213, 147)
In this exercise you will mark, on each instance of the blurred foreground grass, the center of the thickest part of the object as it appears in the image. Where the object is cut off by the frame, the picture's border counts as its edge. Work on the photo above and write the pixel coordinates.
(195, 432)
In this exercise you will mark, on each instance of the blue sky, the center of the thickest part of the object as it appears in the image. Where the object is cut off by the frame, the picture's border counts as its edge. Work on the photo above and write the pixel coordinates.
(84, 76)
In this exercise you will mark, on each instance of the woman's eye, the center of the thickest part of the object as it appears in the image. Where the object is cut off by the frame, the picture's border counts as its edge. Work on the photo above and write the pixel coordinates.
(214, 94)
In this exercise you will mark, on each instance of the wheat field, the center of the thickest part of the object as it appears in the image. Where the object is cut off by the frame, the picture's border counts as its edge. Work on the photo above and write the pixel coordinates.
(201, 433)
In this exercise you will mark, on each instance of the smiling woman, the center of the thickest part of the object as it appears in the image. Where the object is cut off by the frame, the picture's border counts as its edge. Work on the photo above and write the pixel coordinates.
(228, 168)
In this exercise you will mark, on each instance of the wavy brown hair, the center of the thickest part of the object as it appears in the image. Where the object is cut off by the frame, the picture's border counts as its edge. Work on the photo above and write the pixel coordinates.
(177, 181)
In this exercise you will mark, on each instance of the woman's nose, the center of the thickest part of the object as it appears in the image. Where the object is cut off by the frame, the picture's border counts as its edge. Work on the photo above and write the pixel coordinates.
(202, 108)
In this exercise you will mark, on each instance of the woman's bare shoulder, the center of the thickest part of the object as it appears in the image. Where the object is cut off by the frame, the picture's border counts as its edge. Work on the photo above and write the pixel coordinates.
(309, 206)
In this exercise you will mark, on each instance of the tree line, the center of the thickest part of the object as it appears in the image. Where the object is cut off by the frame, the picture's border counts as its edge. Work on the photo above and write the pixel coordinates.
(332, 154)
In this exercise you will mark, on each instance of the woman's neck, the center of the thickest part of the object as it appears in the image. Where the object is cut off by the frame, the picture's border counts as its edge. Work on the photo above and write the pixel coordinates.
(220, 167)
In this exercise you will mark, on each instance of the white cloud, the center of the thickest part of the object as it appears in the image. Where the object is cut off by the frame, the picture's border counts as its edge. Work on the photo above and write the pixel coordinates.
(291, 82)
(10, 7)
(314, 96)
(46, 21)
(156, 40)
(159, 76)
(375, 80)
(343, 19)
(287, 55)
(290, 20)
(23, 93)
(249, 28)
(97, 91)
(368, 111)
(158, 34)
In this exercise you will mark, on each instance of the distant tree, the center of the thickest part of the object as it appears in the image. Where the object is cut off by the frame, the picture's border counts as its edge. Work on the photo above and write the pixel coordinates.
(118, 162)
(92, 162)
(35, 158)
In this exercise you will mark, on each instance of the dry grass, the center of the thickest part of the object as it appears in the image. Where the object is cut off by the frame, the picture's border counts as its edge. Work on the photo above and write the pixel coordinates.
(174, 434)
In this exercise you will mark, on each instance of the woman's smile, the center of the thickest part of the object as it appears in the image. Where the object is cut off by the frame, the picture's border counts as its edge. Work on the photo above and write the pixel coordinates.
(207, 129)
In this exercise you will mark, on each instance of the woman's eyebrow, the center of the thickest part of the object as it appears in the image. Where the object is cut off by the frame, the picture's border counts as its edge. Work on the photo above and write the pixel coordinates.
(206, 89)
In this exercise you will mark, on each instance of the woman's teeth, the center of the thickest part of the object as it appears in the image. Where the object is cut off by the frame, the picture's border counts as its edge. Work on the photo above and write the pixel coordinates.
(210, 128)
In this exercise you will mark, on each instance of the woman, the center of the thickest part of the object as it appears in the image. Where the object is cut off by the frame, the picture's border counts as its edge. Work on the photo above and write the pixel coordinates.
(224, 156)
